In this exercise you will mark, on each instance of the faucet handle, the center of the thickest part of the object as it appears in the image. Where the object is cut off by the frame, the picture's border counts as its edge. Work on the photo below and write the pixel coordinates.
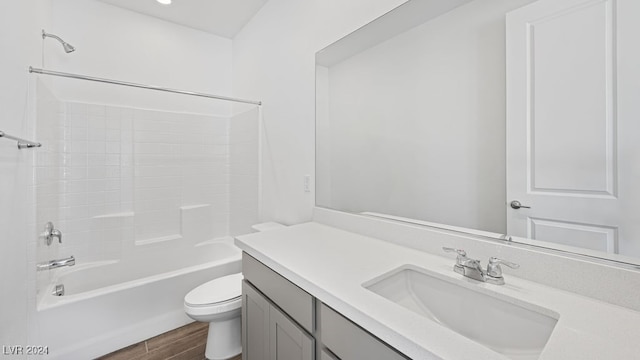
(462, 255)
(494, 269)
(57, 234)
(459, 251)
(50, 233)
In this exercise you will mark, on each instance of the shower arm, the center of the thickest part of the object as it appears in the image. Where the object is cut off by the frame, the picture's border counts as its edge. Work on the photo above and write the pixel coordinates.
(68, 48)
(45, 35)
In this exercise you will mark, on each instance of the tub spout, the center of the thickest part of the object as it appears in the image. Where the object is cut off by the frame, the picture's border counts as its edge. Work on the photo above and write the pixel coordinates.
(54, 264)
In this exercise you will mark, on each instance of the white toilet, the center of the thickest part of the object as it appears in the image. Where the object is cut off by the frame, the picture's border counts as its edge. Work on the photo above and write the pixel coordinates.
(219, 303)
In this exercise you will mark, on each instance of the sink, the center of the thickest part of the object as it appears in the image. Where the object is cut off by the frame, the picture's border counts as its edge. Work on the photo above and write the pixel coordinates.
(511, 327)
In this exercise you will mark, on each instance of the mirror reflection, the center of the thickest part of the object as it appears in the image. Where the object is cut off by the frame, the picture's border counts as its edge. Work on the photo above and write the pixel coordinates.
(509, 116)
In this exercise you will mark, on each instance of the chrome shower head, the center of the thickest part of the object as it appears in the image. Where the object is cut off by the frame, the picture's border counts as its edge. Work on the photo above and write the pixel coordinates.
(67, 47)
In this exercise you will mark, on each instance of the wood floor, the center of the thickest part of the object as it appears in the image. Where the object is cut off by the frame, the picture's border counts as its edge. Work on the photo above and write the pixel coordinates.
(185, 343)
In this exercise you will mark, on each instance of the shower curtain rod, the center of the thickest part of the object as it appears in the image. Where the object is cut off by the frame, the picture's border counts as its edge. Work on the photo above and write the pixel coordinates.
(142, 86)
(22, 143)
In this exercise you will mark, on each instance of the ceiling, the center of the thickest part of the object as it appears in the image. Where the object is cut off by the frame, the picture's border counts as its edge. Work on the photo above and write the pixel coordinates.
(220, 17)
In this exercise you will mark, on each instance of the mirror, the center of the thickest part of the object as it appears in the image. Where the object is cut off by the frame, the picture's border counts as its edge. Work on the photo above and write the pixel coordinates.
(512, 118)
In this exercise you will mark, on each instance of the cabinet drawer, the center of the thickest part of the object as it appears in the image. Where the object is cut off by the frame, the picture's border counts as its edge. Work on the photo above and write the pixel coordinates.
(297, 303)
(350, 342)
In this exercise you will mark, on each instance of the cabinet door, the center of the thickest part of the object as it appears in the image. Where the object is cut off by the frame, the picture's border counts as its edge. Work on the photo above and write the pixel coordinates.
(325, 355)
(255, 324)
(288, 341)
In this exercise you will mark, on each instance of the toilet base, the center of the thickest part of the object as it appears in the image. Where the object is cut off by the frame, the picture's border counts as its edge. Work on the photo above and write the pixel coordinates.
(224, 340)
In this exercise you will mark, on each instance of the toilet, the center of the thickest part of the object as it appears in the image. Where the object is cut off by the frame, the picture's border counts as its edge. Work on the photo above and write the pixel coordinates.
(219, 303)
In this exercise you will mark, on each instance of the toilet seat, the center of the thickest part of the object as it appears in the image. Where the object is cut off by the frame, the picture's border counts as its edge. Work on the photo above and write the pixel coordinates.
(216, 296)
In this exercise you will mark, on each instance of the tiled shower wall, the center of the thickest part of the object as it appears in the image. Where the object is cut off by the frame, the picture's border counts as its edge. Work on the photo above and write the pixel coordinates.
(115, 179)
(46, 180)
(244, 152)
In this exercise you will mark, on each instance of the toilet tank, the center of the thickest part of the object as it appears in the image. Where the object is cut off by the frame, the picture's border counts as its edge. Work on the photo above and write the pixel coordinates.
(267, 226)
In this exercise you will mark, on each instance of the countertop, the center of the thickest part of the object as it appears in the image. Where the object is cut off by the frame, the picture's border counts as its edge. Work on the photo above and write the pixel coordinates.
(332, 264)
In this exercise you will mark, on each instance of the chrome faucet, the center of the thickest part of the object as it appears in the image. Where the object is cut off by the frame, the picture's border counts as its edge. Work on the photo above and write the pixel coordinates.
(54, 264)
(472, 268)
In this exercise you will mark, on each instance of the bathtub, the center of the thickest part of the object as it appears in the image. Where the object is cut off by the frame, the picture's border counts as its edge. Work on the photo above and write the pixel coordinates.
(112, 304)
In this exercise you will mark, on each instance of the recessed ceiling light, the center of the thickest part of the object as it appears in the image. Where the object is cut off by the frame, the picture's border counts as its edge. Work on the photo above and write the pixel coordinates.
(164, 2)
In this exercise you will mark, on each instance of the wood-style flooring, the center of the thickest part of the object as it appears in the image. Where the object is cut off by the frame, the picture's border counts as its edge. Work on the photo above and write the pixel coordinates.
(184, 343)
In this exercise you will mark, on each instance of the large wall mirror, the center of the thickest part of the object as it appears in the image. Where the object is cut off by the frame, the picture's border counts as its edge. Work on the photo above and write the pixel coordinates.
(518, 118)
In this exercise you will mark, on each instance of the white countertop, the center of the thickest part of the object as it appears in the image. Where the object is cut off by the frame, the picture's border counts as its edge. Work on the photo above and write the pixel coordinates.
(332, 265)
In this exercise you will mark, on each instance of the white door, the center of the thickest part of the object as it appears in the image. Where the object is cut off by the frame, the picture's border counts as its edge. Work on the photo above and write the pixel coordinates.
(573, 123)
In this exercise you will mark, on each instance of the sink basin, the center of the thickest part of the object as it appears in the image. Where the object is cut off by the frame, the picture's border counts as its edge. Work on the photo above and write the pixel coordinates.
(508, 326)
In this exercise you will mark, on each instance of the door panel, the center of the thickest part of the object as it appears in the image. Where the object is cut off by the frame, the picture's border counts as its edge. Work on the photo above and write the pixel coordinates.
(570, 68)
(288, 341)
(599, 238)
(255, 324)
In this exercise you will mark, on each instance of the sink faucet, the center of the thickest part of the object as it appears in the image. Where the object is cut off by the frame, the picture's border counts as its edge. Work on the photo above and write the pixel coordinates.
(54, 264)
(472, 268)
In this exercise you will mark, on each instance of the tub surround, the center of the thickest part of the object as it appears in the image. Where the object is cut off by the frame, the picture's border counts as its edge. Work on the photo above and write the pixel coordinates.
(332, 264)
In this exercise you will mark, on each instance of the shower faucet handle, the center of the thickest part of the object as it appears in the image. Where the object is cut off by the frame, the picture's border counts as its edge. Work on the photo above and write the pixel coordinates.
(50, 233)
(57, 234)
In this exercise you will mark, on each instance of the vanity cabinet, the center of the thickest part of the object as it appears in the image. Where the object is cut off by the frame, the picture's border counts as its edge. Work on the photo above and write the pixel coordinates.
(268, 333)
(280, 321)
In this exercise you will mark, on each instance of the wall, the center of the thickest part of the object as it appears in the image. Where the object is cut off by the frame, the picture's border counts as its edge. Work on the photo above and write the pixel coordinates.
(418, 122)
(20, 23)
(274, 61)
(119, 44)
(243, 171)
(47, 167)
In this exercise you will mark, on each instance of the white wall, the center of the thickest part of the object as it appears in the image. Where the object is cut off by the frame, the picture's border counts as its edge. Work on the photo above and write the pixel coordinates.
(274, 61)
(243, 172)
(20, 23)
(119, 44)
(418, 122)
(46, 180)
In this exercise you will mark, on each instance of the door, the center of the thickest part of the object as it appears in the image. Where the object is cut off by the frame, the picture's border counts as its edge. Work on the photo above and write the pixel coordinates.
(288, 340)
(255, 324)
(573, 123)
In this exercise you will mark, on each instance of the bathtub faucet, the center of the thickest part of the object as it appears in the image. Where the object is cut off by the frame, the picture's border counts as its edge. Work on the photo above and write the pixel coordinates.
(54, 264)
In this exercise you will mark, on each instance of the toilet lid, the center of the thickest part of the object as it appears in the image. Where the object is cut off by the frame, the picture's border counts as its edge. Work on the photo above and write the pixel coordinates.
(216, 291)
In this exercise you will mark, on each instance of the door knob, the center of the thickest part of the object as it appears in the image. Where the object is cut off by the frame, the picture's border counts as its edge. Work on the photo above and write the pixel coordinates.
(515, 204)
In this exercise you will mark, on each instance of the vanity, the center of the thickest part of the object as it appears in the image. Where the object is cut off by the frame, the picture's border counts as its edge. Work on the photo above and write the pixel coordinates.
(283, 321)
(320, 291)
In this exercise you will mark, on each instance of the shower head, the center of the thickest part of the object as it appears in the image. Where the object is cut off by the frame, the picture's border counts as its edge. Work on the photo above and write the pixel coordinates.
(67, 47)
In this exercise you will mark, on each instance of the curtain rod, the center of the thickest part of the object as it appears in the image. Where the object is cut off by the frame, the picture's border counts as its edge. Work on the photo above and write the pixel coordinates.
(142, 86)
(22, 143)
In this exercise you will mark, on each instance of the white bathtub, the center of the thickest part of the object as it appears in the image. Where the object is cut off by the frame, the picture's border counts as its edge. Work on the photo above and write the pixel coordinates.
(109, 305)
